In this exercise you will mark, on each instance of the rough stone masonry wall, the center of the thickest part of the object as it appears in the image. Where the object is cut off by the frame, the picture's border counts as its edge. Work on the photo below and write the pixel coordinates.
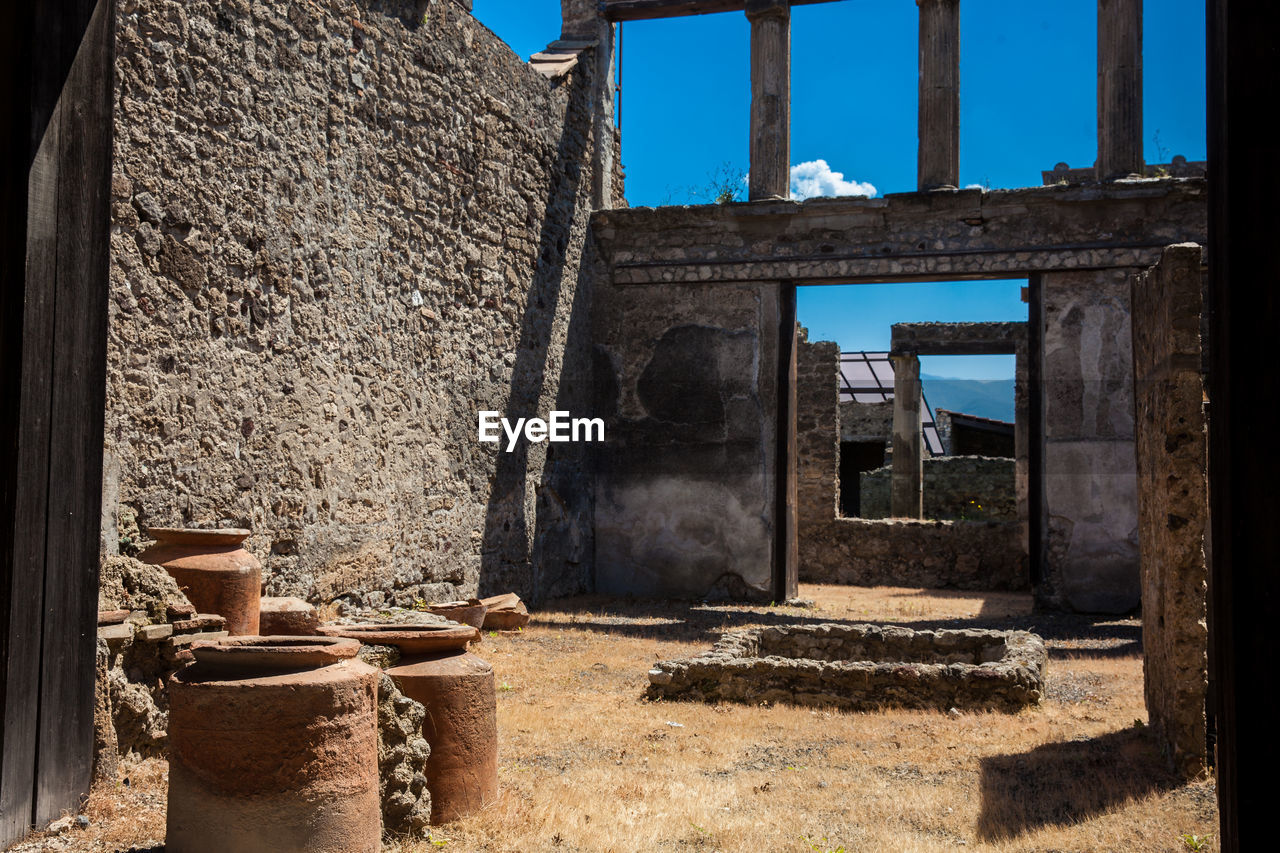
(935, 554)
(955, 487)
(817, 444)
(907, 552)
(862, 667)
(340, 229)
(1172, 501)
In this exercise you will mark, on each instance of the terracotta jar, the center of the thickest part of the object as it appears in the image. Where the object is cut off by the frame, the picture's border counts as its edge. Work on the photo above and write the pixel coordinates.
(457, 689)
(214, 570)
(273, 746)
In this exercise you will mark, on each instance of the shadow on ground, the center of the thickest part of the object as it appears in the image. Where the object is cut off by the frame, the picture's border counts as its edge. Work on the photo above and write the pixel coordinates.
(1072, 635)
(1066, 782)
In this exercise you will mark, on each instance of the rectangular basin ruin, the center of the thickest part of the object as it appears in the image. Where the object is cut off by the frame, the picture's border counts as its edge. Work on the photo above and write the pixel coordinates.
(862, 667)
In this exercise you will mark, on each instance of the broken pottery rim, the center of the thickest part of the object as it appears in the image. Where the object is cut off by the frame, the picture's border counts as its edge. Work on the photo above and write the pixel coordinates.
(467, 612)
(410, 639)
(199, 535)
(274, 652)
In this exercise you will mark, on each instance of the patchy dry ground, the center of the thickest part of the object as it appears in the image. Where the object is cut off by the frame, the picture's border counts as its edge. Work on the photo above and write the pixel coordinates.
(587, 764)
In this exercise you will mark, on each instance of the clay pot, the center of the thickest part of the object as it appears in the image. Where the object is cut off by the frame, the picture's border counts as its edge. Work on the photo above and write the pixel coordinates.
(461, 725)
(470, 612)
(214, 571)
(273, 746)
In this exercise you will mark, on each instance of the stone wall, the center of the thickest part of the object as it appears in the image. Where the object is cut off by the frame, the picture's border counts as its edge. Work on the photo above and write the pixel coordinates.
(867, 422)
(955, 487)
(1172, 501)
(817, 442)
(339, 231)
(906, 552)
(1090, 486)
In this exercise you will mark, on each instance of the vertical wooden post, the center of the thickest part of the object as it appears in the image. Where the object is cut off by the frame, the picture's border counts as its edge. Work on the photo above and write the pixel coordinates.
(770, 99)
(906, 497)
(1244, 503)
(938, 160)
(1119, 89)
(54, 224)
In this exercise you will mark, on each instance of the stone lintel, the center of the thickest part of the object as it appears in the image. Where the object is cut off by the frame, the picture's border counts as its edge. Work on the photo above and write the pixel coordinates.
(958, 338)
(938, 235)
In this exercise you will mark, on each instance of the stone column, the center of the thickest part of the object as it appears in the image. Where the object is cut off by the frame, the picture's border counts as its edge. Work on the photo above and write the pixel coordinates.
(938, 162)
(906, 498)
(1119, 88)
(770, 98)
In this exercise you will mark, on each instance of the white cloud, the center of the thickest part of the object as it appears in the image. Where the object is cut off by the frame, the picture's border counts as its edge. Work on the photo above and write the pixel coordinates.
(974, 187)
(816, 180)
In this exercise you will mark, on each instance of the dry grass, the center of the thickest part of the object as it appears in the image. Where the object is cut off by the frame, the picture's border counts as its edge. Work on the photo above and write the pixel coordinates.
(588, 765)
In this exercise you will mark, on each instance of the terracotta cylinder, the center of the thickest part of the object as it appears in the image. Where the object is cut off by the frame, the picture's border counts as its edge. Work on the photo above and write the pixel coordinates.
(214, 570)
(461, 725)
(273, 748)
(457, 689)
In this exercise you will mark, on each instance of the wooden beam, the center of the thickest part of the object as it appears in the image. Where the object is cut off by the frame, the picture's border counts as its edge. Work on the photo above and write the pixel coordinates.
(54, 224)
(1244, 310)
(647, 10)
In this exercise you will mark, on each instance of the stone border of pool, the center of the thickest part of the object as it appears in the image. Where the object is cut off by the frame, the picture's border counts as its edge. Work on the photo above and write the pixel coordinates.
(862, 667)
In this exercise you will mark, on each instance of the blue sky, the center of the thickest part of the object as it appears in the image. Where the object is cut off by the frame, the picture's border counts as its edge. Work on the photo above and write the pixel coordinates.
(1028, 79)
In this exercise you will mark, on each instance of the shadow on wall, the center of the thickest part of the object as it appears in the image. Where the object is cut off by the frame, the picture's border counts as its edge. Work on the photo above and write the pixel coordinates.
(546, 557)
(1062, 783)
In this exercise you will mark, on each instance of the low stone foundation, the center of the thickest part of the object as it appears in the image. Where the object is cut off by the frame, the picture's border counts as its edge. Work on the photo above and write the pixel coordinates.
(863, 667)
(904, 552)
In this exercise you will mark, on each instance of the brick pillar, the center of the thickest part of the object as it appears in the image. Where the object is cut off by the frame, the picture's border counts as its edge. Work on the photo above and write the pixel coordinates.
(1119, 88)
(938, 161)
(770, 98)
(906, 498)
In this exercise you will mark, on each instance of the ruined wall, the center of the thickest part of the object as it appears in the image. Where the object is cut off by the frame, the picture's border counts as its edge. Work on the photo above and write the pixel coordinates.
(959, 554)
(1172, 501)
(817, 442)
(1090, 487)
(867, 422)
(687, 383)
(340, 230)
(955, 487)
(907, 552)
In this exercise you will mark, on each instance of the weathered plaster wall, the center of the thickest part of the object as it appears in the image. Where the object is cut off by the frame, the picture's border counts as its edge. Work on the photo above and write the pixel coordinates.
(955, 487)
(1090, 476)
(687, 382)
(1172, 501)
(340, 230)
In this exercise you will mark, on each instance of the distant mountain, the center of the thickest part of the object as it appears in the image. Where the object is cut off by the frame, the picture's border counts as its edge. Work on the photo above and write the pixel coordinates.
(986, 398)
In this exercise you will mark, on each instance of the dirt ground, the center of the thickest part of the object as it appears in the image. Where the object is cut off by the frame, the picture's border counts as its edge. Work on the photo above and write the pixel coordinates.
(588, 764)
